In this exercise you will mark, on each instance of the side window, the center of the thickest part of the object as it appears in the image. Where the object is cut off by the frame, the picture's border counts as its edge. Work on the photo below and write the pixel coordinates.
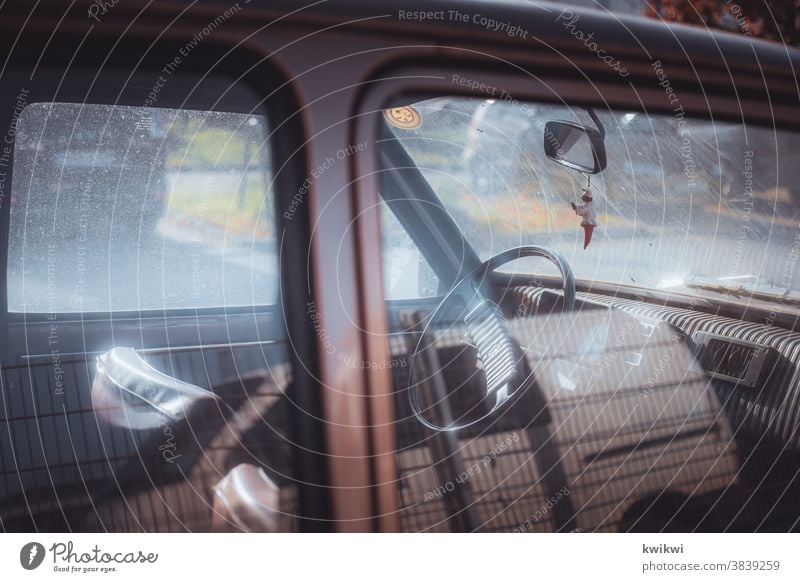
(118, 208)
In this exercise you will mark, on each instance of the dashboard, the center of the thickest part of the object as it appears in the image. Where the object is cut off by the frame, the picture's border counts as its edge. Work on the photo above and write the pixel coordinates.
(634, 410)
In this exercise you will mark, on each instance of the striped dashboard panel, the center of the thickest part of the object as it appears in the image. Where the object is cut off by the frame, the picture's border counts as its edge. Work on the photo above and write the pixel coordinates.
(774, 409)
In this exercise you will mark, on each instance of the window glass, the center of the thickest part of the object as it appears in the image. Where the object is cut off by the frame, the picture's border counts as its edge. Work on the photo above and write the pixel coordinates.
(118, 208)
(406, 273)
(680, 199)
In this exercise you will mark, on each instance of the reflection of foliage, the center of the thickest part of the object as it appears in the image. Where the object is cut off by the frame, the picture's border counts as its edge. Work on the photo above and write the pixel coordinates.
(210, 148)
(510, 216)
(522, 216)
(777, 20)
(218, 173)
(240, 214)
(213, 141)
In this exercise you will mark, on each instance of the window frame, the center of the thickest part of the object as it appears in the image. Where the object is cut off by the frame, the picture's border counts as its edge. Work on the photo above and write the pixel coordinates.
(406, 80)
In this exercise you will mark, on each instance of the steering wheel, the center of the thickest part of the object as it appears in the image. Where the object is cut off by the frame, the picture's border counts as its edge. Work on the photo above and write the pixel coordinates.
(497, 349)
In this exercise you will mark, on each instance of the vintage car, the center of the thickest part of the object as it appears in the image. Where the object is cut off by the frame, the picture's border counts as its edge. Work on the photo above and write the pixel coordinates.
(395, 266)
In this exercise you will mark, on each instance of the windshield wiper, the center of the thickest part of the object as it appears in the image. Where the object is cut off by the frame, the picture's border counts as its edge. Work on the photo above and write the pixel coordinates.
(740, 287)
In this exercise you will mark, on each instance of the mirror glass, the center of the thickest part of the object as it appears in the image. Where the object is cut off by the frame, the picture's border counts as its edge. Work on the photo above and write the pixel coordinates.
(573, 146)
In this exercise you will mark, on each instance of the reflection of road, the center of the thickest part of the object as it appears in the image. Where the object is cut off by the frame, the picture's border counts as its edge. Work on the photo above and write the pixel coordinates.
(622, 258)
(740, 237)
(175, 268)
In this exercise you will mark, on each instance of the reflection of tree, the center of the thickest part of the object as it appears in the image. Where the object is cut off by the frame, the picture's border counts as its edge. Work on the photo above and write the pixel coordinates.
(777, 20)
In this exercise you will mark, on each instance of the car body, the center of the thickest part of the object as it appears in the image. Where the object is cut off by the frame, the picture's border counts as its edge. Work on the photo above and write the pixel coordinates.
(275, 300)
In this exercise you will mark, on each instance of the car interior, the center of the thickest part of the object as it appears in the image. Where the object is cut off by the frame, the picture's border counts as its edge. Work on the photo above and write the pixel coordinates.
(516, 387)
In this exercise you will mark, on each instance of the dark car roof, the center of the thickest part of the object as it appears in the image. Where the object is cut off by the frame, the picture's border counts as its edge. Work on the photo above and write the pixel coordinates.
(614, 31)
(706, 60)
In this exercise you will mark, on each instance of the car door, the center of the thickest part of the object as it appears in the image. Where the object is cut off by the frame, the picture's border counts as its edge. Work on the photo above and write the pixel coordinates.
(442, 477)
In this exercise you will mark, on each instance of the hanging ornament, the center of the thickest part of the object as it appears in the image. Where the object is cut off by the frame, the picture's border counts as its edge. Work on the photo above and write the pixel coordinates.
(587, 213)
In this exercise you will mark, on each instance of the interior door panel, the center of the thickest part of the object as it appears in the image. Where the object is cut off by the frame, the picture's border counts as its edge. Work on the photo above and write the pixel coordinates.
(64, 468)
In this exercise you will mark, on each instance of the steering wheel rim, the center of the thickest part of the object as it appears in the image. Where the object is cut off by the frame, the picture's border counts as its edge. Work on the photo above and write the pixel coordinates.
(479, 274)
(500, 259)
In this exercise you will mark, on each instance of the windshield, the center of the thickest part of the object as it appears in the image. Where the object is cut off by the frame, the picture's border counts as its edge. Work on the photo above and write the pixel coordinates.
(680, 199)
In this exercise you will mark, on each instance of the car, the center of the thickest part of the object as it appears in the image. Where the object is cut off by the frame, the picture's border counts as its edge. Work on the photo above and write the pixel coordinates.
(440, 267)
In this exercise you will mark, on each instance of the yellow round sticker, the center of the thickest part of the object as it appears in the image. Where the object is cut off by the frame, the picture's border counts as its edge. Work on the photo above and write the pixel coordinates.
(403, 117)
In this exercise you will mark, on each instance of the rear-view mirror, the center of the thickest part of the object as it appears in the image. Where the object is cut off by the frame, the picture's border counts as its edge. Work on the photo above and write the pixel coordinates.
(575, 146)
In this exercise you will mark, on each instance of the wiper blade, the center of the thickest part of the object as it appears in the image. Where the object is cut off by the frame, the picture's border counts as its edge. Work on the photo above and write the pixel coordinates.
(742, 291)
(735, 290)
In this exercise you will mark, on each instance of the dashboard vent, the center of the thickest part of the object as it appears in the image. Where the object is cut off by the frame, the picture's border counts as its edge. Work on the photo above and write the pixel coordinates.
(734, 360)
